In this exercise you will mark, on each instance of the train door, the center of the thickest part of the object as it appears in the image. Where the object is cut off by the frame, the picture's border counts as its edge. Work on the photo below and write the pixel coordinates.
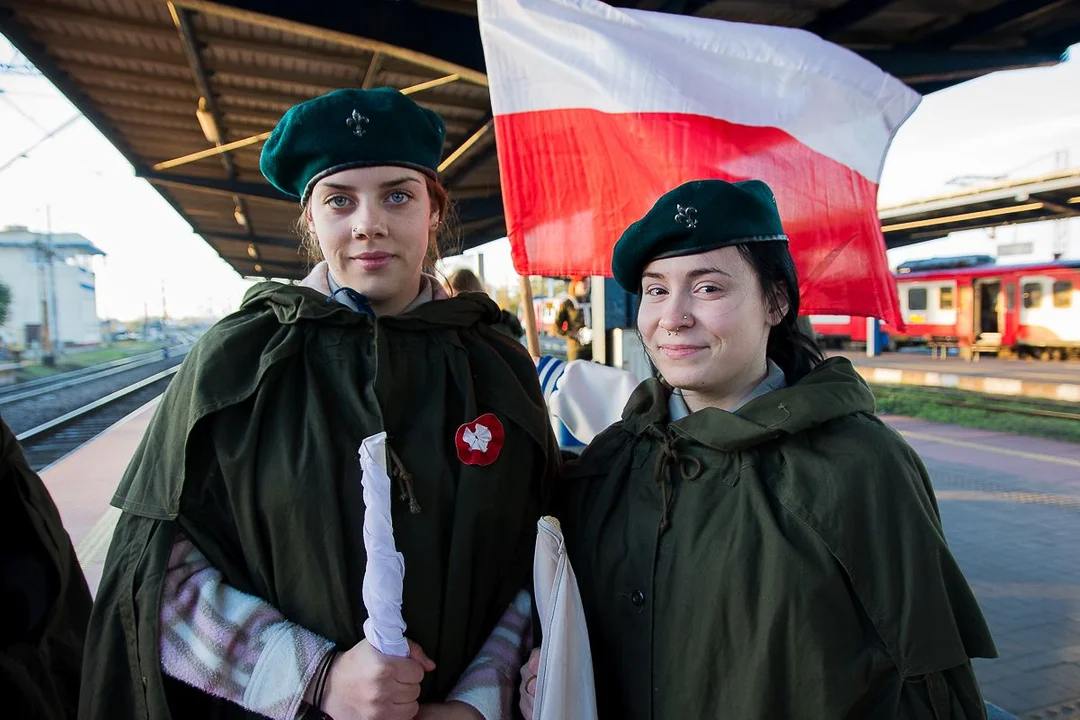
(1011, 313)
(965, 313)
(988, 311)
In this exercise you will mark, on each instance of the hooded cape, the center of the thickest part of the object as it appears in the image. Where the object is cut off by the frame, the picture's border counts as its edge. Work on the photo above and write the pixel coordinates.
(800, 570)
(253, 455)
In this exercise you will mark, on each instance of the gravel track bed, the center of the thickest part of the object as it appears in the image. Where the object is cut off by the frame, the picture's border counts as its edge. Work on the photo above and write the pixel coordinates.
(42, 452)
(30, 413)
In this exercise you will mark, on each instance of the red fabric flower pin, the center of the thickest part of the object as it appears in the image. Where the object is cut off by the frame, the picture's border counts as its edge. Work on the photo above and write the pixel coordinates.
(480, 441)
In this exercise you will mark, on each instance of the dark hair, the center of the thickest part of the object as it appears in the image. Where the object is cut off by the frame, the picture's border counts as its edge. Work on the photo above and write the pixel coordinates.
(789, 347)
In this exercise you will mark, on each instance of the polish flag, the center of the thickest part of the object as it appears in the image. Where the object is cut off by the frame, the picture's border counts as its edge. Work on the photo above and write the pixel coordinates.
(599, 111)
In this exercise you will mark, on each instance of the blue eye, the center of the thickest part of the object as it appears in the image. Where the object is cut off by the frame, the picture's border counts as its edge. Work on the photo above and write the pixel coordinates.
(337, 201)
(656, 291)
(399, 197)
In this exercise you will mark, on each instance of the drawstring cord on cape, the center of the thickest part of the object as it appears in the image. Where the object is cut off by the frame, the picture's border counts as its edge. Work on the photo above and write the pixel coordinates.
(397, 468)
(404, 480)
(668, 458)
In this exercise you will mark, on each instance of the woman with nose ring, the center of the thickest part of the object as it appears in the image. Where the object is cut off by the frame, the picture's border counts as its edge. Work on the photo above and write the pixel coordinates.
(750, 540)
(234, 586)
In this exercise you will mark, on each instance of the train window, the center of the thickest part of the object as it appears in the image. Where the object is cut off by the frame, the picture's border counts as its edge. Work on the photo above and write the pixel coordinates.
(1033, 293)
(1010, 296)
(916, 299)
(945, 300)
(1063, 294)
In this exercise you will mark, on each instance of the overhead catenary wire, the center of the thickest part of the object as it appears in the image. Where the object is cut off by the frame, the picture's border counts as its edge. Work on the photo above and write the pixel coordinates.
(48, 136)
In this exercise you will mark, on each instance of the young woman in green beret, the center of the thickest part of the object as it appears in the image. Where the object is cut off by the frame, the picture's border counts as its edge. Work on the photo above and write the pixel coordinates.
(234, 587)
(750, 540)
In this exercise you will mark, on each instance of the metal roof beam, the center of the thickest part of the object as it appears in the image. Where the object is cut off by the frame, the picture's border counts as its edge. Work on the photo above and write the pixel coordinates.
(207, 99)
(977, 24)
(844, 15)
(215, 186)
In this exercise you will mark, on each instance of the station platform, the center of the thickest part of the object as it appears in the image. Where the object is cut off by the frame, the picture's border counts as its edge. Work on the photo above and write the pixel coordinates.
(1010, 506)
(82, 483)
(1019, 378)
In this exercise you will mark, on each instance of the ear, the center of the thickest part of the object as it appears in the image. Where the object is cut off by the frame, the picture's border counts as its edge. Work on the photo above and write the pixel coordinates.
(435, 219)
(778, 304)
(309, 220)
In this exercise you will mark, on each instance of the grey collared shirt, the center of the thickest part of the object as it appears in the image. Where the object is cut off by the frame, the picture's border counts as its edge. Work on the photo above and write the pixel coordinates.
(774, 380)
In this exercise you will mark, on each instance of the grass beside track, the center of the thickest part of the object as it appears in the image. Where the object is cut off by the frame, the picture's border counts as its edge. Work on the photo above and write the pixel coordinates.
(78, 360)
(978, 410)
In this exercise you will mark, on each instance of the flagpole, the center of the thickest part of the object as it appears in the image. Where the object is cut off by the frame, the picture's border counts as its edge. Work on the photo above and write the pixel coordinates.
(532, 337)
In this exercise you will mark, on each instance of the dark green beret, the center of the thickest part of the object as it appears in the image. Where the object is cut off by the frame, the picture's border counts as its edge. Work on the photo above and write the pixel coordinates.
(350, 128)
(694, 218)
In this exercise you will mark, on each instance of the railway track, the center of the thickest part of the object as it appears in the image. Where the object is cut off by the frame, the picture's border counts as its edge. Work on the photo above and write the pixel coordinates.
(43, 386)
(45, 444)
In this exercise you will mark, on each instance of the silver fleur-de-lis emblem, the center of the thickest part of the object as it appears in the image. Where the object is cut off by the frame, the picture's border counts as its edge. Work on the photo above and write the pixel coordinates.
(686, 216)
(358, 123)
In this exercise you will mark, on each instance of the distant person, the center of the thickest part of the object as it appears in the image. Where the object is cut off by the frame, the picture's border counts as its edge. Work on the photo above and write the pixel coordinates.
(569, 321)
(465, 280)
(44, 596)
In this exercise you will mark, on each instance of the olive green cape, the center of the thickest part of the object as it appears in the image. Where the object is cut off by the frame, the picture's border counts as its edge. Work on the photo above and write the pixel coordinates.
(253, 454)
(803, 573)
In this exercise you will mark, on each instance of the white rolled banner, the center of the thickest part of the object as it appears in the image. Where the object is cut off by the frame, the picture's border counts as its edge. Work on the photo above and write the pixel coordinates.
(384, 573)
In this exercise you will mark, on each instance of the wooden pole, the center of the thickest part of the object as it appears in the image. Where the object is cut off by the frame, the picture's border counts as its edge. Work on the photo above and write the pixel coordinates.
(532, 337)
(598, 302)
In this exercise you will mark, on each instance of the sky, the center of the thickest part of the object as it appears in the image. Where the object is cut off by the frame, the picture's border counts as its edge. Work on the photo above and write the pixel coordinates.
(1014, 124)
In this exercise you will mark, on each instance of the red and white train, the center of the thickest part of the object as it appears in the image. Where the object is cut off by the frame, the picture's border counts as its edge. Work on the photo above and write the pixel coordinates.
(977, 306)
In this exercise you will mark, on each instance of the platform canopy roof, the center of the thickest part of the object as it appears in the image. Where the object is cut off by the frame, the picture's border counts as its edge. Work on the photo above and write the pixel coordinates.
(140, 69)
(1055, 196)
